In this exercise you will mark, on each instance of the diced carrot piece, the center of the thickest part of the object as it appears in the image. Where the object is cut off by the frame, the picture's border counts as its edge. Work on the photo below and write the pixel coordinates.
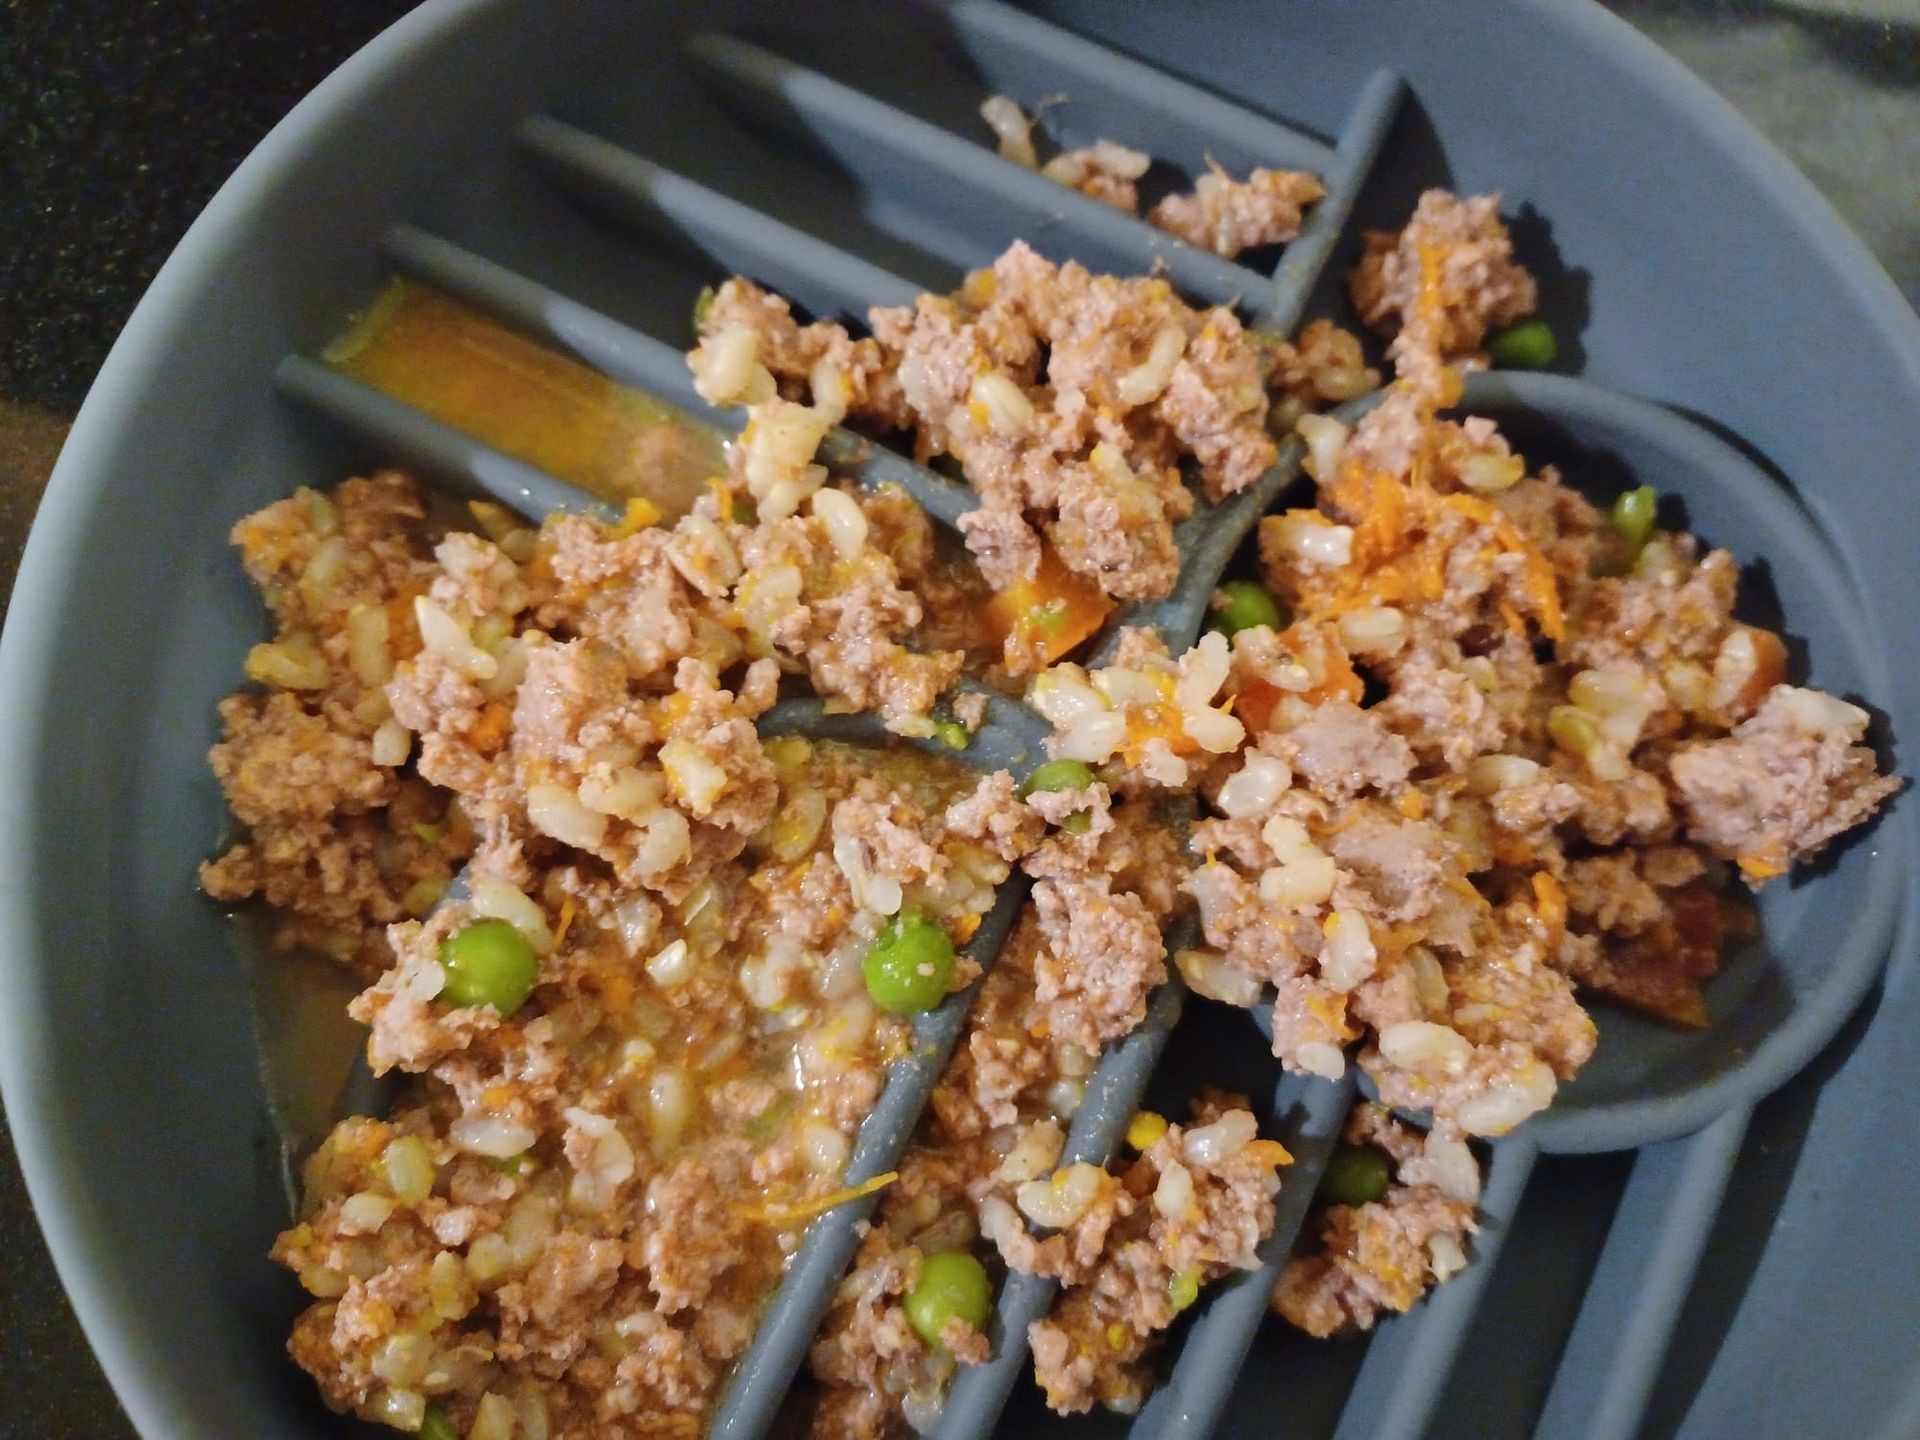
(489, 729)
(1338, 679)
(642, 514)
(1039, 620)
(1268, 1153)
(1254, 704)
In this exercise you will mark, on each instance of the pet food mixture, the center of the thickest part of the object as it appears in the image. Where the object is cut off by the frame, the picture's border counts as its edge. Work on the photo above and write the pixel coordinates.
(1467, 752)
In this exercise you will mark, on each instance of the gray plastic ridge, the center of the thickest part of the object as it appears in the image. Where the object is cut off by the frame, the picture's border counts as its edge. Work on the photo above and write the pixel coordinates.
(1105, 93)
(1012, 737)
(760, 1377)
(635, 358)
(965, 183)
(978, 1393)
(674, 209)
(1410, 1356)
(468, 465)
(1654, 1247)
(1187, 1405)
(1210, 537)
(1305, 258)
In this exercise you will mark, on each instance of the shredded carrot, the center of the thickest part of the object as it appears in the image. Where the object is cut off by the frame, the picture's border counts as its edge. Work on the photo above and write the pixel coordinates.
(1759, 867)
(782, 1216)
(1397, 559)
(566, 922)
(1331, 1010)
(1413, 805)
(1550, 902)
(1429, 298)
(1467, 891)
(1542, 590)
(1270, 1154)
(1401, 938)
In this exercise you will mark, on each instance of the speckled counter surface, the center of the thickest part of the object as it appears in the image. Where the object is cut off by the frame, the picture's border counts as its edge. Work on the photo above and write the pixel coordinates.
(118, 121)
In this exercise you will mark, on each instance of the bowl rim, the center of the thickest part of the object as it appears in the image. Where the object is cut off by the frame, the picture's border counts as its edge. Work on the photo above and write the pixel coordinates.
(110, 416)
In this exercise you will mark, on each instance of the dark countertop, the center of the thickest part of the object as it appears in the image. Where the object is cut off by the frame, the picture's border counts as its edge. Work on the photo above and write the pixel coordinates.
(96, 188)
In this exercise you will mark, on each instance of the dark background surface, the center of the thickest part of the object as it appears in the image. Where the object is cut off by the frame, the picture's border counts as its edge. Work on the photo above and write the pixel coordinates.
(118, 120)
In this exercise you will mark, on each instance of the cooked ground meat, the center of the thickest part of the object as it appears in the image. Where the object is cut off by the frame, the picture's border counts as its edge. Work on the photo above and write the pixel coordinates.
(1220, 214)
(1068, 398)
(1380, 1257)
(1103, 957)
(1108, 172)
(1783, 783)
(1201, 1201)
(1441, 283)
(1227, 216)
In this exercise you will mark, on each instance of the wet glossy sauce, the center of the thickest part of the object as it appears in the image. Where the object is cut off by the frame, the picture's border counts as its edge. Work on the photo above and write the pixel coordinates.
(535, 404)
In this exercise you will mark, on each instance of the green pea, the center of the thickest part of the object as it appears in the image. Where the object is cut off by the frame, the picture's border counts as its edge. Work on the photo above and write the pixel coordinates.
(488, 963)
(910, 965)
(436, 1426)
(1050, 617)
(1056, 775)
(952, 734)
(1527, 346)
(702, 307)
(1183, 1289)
(1246, 606)
(1355, 1175)
(952, 1286)
(1633, 516)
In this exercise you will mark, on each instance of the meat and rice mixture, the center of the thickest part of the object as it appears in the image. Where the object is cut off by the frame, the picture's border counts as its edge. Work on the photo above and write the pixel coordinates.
(1457, 750)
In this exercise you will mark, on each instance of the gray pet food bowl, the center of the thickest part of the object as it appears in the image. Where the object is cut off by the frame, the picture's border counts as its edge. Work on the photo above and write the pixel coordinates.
(515, 152)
